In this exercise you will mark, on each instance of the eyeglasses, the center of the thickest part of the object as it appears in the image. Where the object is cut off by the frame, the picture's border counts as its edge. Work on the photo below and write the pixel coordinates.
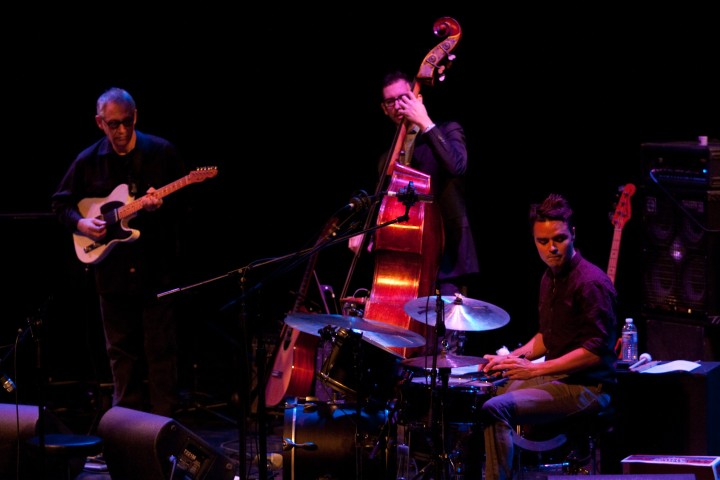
(390, 102)
(115, 124)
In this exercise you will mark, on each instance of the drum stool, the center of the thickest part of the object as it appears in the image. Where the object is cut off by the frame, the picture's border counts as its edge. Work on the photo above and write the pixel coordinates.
(65, 454)
(569, 446)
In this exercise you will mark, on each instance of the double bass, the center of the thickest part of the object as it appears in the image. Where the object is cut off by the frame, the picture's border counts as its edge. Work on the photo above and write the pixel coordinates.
(407, 253)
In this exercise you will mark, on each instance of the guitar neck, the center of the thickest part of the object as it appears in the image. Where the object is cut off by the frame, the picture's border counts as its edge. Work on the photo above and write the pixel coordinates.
(136, 205)
(614, 254)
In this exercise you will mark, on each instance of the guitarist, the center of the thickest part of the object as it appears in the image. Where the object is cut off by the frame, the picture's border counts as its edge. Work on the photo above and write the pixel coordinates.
(140, 330)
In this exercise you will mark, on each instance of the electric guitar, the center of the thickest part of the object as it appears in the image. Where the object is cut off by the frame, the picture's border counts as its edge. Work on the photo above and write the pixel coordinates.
(117, 209)
(620, 217)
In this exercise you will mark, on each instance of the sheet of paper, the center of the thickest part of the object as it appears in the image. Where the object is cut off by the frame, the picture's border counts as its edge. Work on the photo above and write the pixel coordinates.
(674, 366)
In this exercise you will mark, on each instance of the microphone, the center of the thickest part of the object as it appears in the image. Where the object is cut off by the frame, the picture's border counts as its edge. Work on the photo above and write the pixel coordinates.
(643, 359)
(418, 197)
(359, 202)
(7, 383)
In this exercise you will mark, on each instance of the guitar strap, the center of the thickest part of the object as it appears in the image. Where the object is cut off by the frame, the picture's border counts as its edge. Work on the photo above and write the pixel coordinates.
(134, 175)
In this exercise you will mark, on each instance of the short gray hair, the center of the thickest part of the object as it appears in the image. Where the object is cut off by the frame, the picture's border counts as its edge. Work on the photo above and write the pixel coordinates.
(114, 95)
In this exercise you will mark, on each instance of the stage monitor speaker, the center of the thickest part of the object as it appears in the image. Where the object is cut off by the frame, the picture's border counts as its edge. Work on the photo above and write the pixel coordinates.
(680, 213)
(19, 423)
(144, 446)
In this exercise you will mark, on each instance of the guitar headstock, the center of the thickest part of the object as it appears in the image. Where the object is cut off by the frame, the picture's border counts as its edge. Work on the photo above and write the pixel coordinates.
(623, 210)
(202, 173)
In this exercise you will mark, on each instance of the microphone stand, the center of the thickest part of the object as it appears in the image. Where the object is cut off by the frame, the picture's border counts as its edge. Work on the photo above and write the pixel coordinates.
(42, 385)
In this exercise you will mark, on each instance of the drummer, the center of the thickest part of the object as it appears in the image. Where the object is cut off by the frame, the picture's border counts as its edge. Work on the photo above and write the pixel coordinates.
(576, 335)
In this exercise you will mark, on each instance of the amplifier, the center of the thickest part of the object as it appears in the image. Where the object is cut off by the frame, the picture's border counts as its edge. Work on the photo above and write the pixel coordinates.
(683, 163)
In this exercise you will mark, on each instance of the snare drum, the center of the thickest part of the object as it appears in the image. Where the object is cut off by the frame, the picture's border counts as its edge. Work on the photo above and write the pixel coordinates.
(462, 400)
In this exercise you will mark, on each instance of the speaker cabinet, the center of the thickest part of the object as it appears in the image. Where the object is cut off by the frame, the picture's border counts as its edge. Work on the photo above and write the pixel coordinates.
(680, 213)
(670, 339)
(144, 446)
(16, 427)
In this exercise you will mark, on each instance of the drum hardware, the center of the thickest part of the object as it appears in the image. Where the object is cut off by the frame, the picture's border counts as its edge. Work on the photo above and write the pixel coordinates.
(288, 445)
(439, 462)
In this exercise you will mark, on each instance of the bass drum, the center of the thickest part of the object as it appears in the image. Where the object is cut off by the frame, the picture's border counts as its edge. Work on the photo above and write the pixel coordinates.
(332, 442)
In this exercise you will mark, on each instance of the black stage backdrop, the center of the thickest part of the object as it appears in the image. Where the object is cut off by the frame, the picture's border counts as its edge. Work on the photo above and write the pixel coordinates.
(285, 103)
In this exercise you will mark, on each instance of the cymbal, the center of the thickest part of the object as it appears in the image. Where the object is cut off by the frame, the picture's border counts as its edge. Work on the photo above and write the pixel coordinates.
(460, 313)
(444, 360)
(386, 334)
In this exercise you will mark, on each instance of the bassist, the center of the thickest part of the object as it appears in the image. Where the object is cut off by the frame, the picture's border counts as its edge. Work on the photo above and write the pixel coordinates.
(138, 327)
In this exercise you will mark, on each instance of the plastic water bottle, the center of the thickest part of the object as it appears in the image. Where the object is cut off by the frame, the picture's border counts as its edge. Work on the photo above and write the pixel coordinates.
(629, 342)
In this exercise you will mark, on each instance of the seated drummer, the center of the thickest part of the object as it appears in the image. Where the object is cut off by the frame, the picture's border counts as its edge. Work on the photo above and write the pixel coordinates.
(576, 335)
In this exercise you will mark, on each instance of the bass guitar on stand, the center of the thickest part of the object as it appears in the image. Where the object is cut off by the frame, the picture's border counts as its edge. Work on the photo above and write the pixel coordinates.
(620, 217)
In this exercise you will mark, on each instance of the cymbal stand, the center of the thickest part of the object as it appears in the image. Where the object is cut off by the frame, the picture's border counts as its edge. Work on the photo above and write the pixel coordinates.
(439, 463)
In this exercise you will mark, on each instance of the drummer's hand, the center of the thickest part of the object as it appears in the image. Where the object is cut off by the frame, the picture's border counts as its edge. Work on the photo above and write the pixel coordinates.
(490, 367)
(509, 366)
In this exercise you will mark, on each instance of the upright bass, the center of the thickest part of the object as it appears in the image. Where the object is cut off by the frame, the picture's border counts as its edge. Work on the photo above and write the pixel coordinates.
(407, 253)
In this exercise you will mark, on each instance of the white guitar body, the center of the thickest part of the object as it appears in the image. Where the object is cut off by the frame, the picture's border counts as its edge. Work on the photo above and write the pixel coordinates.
(91, 251)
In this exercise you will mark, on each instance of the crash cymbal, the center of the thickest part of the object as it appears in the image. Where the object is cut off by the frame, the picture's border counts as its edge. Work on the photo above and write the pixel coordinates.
(444, 360)
(460, 313)
(386, 334)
